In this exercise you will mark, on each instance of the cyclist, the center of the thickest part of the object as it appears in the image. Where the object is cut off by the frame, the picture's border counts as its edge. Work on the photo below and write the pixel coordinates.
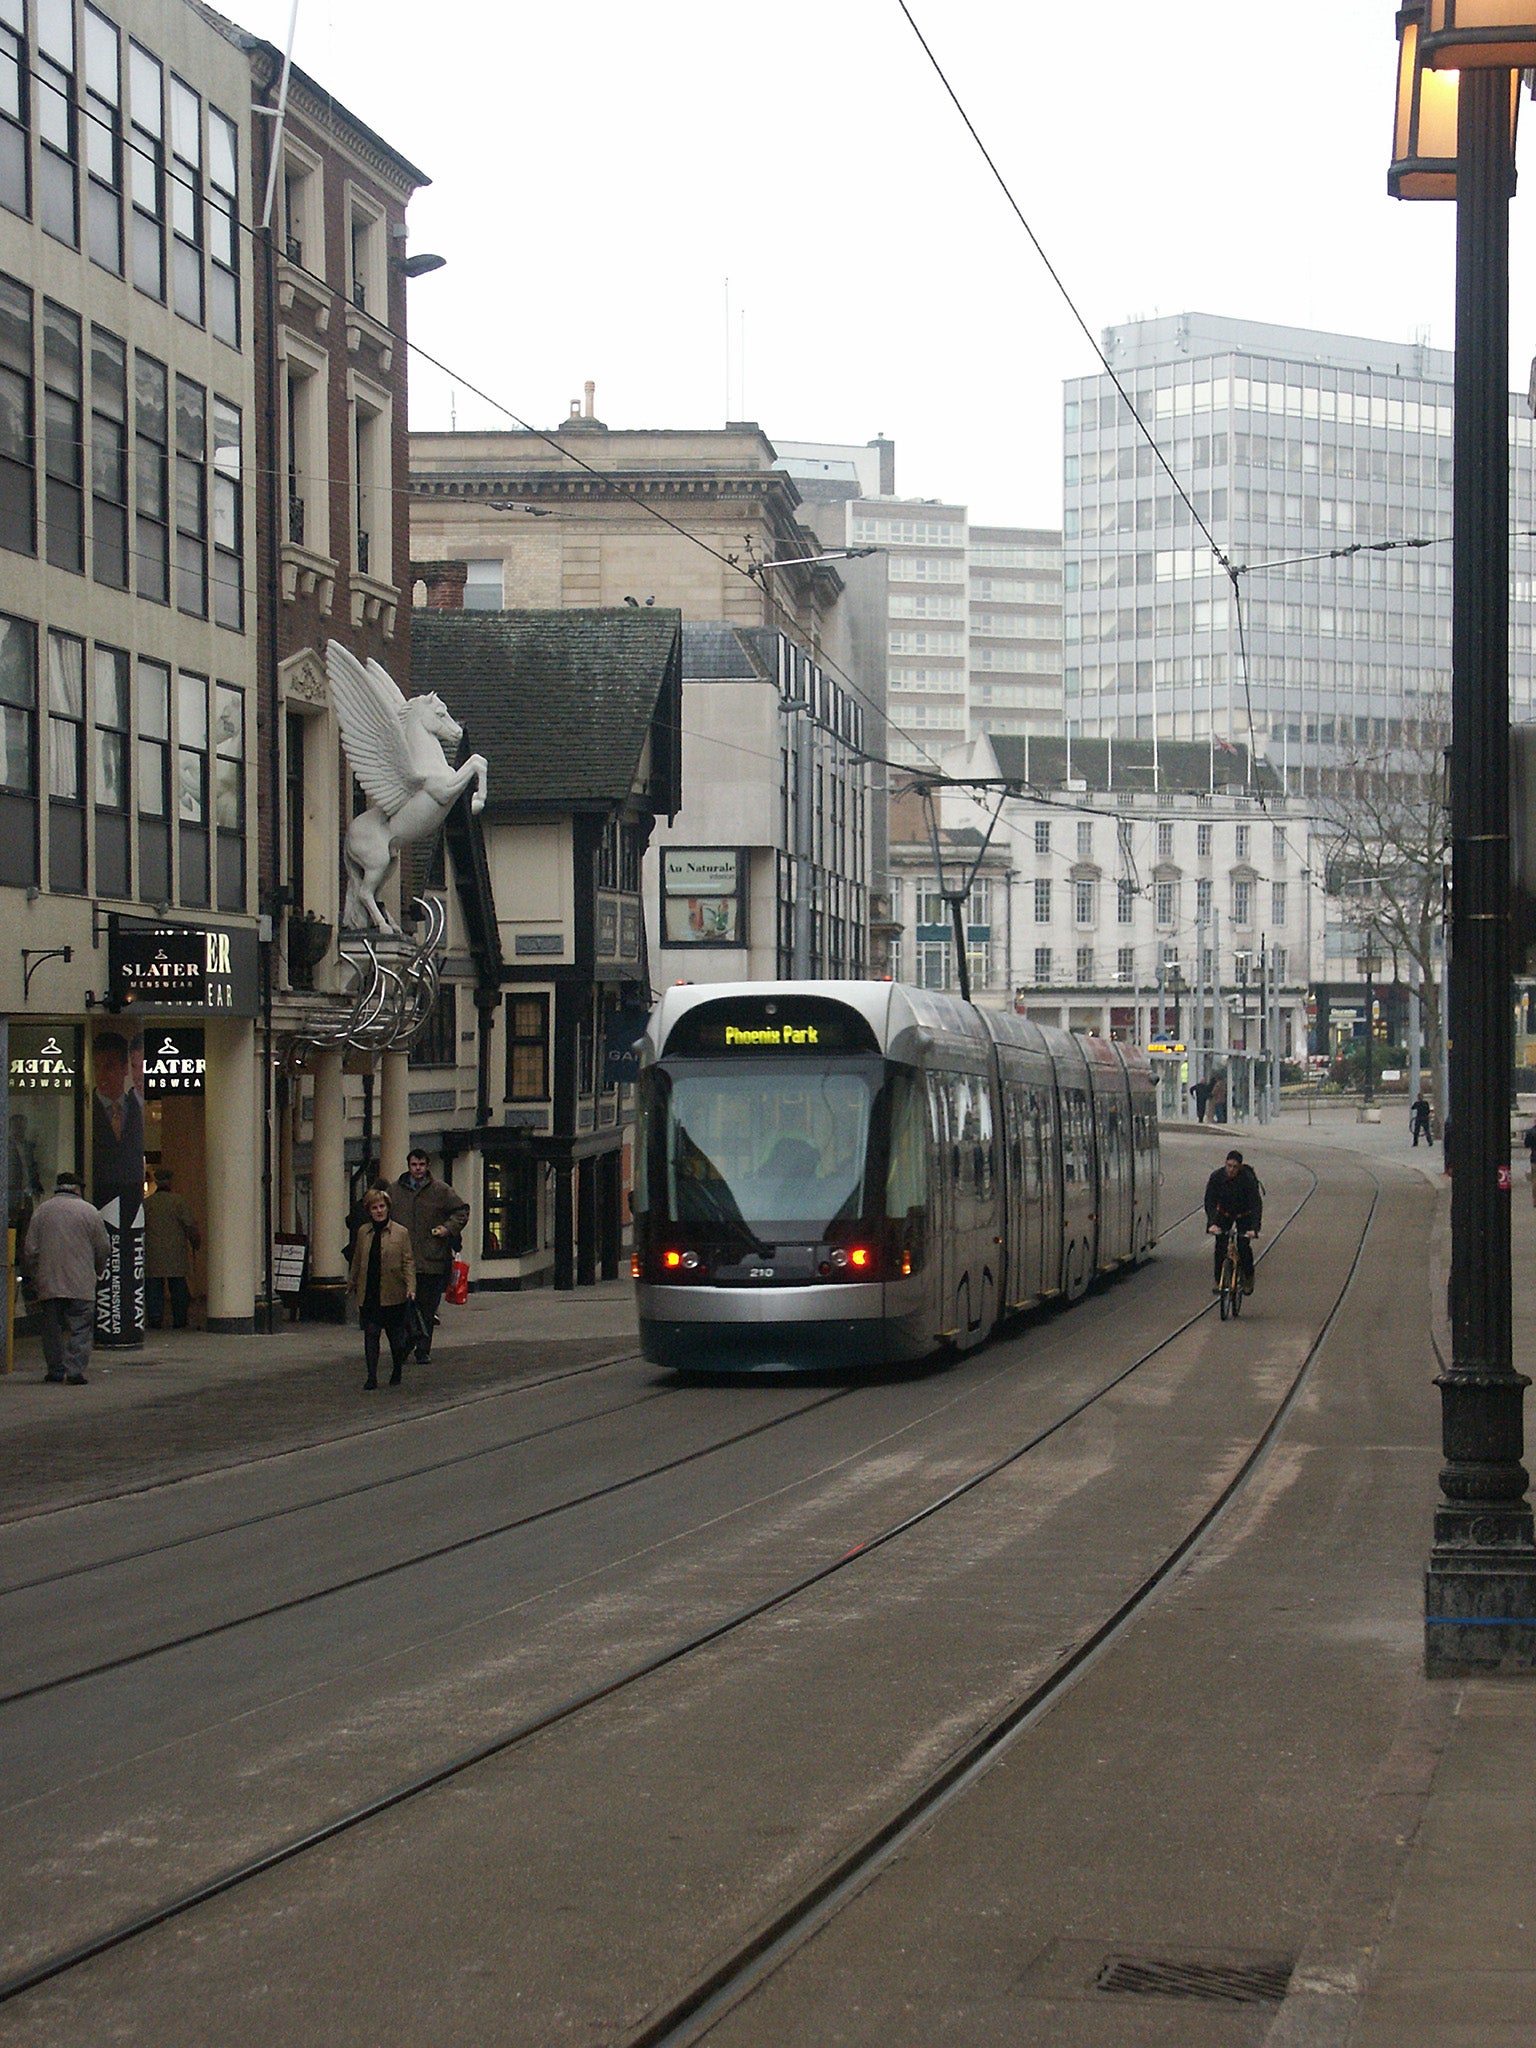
(1234, 1200)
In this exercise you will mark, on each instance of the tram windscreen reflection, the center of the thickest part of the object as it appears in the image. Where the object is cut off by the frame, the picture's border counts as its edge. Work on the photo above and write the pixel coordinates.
(767, 1148)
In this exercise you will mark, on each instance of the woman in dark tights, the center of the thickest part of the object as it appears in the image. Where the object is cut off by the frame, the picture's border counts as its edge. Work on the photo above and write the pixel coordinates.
(383, 1278)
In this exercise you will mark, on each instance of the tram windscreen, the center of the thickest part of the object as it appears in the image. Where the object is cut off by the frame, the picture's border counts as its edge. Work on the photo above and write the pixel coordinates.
(767, 1147)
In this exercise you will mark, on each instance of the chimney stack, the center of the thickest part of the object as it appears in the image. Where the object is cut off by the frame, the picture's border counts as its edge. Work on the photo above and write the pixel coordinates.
(445, 583)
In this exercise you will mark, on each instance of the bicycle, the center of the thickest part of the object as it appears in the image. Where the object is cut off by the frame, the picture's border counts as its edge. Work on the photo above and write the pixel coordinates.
(1231, 1275)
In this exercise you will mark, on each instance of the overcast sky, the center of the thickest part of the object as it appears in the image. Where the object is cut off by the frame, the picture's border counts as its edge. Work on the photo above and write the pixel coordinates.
(600, 169)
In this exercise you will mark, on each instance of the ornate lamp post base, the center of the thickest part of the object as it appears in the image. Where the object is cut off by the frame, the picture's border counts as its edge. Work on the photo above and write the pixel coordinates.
(1480, 1588)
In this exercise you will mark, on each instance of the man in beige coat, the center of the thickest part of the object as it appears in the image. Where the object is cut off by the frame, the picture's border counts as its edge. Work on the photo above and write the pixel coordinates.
(66, 1253)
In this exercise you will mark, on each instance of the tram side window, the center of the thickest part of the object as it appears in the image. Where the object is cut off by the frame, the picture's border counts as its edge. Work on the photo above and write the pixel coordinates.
(1074, 1136)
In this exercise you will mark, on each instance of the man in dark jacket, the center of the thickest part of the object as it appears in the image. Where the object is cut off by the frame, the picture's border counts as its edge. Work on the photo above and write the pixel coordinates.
(434, 1215)
(1233, 1197)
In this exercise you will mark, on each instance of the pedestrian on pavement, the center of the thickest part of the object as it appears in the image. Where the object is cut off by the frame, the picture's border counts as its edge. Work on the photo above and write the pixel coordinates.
(434, 1214)
(1202, 1094)
(171, 1236)
(383, 1277)
(66, 1253)
(1530, 1153)
(1418, 1121)
(1218, 1098)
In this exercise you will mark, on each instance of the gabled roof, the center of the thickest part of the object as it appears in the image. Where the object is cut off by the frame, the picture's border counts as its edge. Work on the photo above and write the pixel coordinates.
(561, 704)
(1182, 766)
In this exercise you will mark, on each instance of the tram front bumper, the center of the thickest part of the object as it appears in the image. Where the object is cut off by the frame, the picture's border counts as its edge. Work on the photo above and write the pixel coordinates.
(772, 1329)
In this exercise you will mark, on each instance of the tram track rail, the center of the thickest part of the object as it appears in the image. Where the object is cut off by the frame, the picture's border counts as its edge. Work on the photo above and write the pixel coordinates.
(564, 1711)
(732, 1979)
(163, 1484)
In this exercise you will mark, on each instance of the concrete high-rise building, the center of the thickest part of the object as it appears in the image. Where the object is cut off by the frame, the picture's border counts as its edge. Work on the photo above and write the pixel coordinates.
(972, 624)
(1291, 444)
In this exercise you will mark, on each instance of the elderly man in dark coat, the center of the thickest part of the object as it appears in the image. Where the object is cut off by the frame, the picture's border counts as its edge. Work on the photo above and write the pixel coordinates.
(434, 1214)
(66, 1253)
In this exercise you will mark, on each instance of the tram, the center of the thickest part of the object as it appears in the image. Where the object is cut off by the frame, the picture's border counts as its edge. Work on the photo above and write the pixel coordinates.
(858, 1173)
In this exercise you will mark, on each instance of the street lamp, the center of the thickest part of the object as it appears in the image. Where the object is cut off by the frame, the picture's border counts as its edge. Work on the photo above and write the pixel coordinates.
(1368, 966)
(1480, 1589)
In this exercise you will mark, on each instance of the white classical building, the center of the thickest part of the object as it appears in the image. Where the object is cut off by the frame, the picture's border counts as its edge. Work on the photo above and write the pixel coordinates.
(1154, 894)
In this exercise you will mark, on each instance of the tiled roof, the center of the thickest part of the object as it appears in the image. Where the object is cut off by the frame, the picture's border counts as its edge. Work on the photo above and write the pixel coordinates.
(1183, 766)
(559, 703)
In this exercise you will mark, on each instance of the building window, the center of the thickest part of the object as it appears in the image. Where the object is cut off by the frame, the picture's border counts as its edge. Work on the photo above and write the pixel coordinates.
(109, 678)
(1242, 904)
(229, 793)
(1125, 966)
(1277, 903)
(223, 241)
(511, 1201)
(151, 521)
(1243, 832)
(1277, 844)
(1165, 841)
(1125, 895)
(1203, 841)
(1085, 839)
(13, 107)
(228, 518)
(371, 481)
(1202, 899)
(192, 788)
(109, 459)
(366, 231)
(66, 763)
(56, 128)
(18, 454)
(1042, 965)
(1082, 902)
(483, 587)
(187, 202)
(1042, 835)
(154, 781)
(528, 1048)
(1281, 963)
(1167, 904)
(146, 171)
(1084, 966)
(438, 1045)
(18, 753)
(64, 457)
(191, 498)
(1043, 902)
(103, 143)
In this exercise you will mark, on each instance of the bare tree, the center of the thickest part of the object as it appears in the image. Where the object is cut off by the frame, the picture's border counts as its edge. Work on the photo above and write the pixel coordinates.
(1386, 826)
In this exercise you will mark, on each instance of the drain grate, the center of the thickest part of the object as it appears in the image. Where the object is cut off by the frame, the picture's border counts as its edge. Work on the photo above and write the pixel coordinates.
(1251, 1983)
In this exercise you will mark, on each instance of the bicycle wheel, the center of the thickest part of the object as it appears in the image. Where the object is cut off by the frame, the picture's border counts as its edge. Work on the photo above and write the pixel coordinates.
(1237, 1294)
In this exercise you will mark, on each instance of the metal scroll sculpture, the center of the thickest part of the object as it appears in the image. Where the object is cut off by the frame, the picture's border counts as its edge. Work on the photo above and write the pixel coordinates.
(394, 744)
(394, 986)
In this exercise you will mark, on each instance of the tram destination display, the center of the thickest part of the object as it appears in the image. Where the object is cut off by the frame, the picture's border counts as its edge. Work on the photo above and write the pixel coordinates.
(770, 1024)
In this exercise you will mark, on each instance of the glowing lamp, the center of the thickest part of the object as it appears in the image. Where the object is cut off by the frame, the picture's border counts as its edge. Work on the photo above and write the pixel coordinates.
(671, 1258)
(1479, 35)
(858, 1256)
(1424, 128)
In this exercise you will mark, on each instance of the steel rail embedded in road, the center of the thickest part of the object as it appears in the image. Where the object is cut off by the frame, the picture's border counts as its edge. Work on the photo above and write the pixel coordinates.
(257, 1866)
(317, 1443)
(731, 1981)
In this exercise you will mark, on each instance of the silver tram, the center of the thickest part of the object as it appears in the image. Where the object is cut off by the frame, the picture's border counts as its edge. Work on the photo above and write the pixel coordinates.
(855, 1173)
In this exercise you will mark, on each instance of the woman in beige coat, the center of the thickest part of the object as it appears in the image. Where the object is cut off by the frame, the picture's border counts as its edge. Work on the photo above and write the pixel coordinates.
(383, 1277)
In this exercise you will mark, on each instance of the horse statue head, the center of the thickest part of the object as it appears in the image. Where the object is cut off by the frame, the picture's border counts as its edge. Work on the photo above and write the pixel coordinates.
(432, 717)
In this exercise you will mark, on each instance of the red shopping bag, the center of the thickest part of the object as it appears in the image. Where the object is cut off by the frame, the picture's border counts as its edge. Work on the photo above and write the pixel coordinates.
(457, 1290)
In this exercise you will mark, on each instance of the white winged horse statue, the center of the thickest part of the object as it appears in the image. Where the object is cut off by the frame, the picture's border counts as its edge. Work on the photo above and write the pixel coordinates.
(394, 744)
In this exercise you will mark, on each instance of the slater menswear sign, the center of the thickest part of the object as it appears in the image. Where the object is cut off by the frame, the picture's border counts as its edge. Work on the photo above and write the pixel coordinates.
(205, 970)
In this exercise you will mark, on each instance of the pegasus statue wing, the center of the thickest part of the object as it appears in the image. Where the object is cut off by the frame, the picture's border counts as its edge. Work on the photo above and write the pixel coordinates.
(370, 707)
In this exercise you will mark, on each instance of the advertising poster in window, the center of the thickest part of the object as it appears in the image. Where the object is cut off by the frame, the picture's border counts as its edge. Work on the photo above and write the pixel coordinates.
(40, 1136)
(701, 897)
(117, 1177)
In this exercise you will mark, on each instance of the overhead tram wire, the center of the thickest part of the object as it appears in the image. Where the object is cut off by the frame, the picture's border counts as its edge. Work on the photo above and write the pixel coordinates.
(258, 235)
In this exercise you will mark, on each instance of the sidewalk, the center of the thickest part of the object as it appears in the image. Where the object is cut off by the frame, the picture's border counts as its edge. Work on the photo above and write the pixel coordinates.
(172, 1363)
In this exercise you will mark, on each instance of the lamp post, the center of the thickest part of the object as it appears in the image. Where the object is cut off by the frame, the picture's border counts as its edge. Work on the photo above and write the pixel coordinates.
(1368, 966)
(1480, 1589)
